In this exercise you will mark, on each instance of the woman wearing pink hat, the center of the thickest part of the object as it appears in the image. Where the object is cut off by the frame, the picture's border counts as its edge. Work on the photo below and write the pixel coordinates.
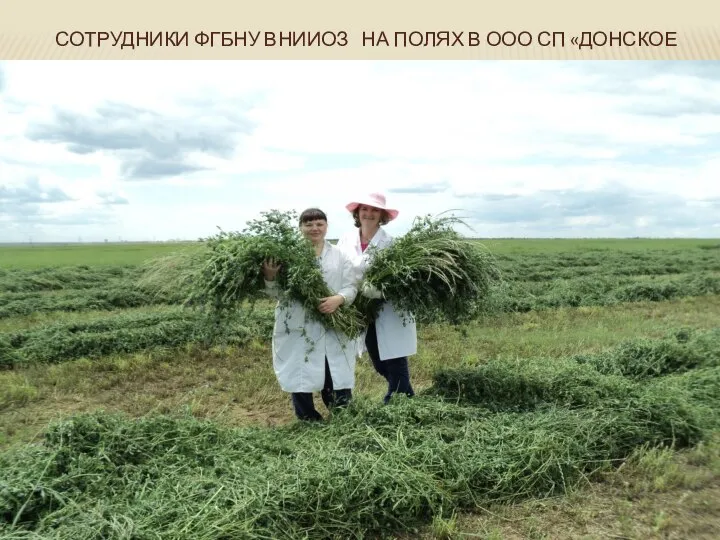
(392, 337)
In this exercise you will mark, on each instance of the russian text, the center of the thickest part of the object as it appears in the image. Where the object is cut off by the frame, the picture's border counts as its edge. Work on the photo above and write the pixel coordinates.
(591, 40)
(522, 38)
(125, 39)
(132, 40)
(397, 39)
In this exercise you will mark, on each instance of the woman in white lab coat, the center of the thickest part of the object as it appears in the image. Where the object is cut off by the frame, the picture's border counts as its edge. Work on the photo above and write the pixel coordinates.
(306, 356)
(392, 337)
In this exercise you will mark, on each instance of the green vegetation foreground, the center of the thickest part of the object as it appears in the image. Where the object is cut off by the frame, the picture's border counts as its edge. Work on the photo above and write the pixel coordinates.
(371, 470)
(523, 406)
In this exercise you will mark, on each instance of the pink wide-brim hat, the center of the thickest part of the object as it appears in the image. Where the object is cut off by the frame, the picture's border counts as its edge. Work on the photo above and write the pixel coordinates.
(376, 200)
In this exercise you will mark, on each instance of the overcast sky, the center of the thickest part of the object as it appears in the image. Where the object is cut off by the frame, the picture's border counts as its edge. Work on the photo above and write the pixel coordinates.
(169, 150)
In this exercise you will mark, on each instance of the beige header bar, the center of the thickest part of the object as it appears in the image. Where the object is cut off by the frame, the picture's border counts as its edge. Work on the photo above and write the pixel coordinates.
(370, 29)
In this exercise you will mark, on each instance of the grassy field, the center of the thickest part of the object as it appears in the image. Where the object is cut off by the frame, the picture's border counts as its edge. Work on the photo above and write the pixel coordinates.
(110, 254)
(585, 405)
(131, 253)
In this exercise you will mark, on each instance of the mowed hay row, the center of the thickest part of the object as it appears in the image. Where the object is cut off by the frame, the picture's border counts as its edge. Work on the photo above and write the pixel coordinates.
(664, 391)
(371, 469)
(109, 298)
(675, 410)
(568, 280)
(128, 333)
(694, 284)
(52, 278)
(580, 380)
(652, 262)
(523, 384)
(596, 290)
(509, 296)
(643, 358)
(123, 332)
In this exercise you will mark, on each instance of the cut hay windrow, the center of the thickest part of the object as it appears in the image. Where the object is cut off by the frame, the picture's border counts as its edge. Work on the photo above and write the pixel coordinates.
(371, 470)
(519, 384)
(677, 398)
(129, 333)
(121, 295)
(525, 384)
(232, 271)
(432, 272)
(676, 409)
(58, 278)
(641, 359)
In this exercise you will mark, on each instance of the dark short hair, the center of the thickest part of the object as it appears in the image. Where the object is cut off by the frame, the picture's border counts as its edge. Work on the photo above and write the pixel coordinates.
(312, 214)
(384, 217)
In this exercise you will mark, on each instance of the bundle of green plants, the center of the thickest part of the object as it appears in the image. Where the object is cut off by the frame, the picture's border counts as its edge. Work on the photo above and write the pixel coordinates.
(174, 274)
(432, 272)
(232, 272)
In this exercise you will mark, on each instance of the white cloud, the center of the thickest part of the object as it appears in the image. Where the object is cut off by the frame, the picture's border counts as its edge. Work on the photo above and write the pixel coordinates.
(180, 147)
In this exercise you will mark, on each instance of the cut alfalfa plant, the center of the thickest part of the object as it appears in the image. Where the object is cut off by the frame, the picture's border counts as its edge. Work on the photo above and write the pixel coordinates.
(232, 273)
(174, 274)
(432, 272)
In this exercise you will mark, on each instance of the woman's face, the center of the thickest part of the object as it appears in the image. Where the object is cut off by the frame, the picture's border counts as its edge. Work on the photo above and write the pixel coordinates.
(369, 215)
(314, 230)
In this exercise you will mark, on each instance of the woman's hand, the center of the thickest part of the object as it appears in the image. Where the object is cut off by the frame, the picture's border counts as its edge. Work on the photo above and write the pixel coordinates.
(270, 269)
(331, 303)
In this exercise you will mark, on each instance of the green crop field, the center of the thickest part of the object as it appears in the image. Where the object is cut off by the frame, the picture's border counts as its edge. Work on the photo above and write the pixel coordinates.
(110, 254)
(129, 253)
(584, 404)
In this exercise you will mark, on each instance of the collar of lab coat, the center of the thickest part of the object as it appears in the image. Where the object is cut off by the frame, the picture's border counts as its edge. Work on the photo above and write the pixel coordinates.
(379, 237)
(326, 247)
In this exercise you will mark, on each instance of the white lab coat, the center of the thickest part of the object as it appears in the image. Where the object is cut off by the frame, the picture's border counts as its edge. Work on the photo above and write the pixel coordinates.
(396, 332)
(300, 346)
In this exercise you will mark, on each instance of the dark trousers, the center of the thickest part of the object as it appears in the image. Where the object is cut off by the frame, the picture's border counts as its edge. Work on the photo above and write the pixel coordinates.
(303, 401)
(396, 370)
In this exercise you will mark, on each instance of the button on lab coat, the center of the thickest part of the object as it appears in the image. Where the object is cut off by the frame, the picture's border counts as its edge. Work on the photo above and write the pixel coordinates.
(396, 332)
(300, 344)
